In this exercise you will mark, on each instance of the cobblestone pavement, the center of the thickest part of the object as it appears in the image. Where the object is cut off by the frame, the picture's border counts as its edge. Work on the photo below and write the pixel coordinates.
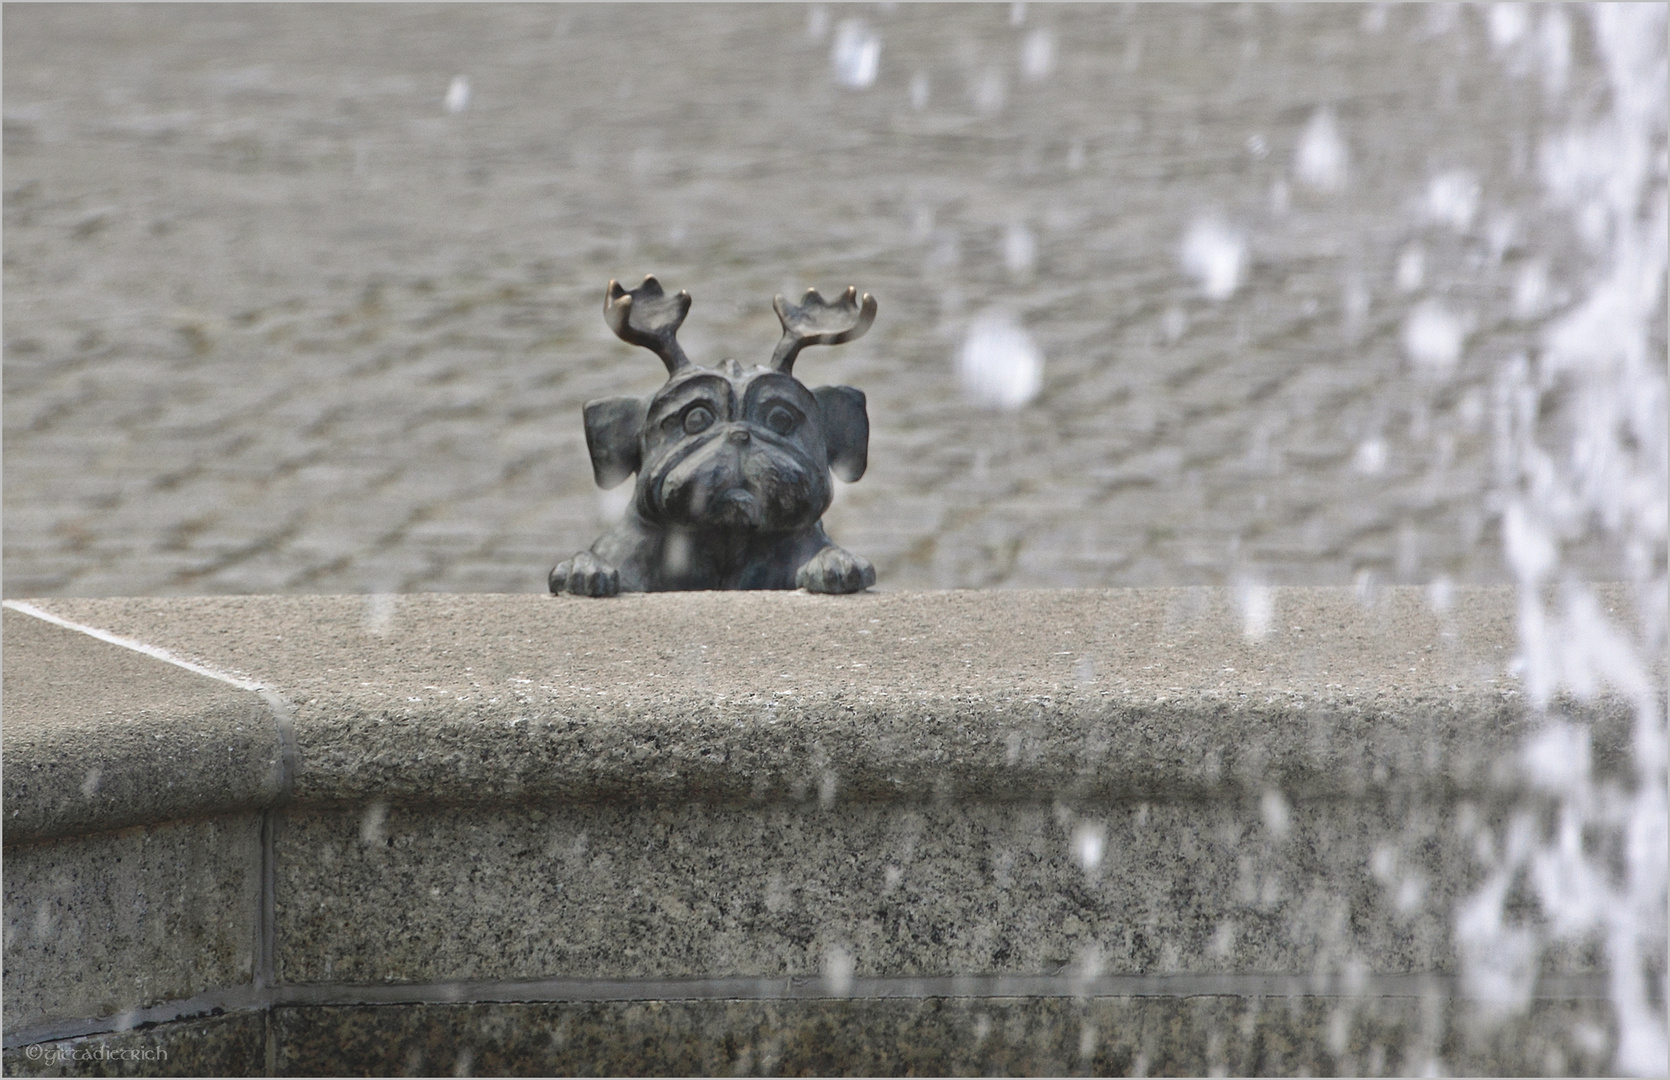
(307, 298)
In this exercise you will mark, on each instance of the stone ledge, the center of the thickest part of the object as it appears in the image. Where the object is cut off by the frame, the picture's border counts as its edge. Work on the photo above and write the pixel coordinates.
(101, 737)
(696, 789)
(762, 697)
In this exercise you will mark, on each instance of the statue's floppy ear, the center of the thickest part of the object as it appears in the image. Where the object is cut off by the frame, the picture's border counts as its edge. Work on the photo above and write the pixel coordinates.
(613, 425)
(846, 430)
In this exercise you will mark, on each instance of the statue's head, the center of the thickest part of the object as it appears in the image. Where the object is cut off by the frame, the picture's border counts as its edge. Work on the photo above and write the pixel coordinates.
(730, 447)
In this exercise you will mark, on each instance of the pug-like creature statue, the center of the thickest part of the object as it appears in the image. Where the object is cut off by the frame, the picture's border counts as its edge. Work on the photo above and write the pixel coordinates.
(733, 464)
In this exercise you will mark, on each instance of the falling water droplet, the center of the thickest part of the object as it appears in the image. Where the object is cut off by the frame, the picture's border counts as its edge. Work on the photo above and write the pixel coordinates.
(1213, 254)
(999, 364)
(919, 89)
(1257, 603)
(1087, 844)
(1432, 338)
(1323, 159)
(458, 94)
(1020, 250)
(1038, 55)
(612, 504)
(1277, 816)
(817, 22)
(837, 970)
(856, 55)
(1411, 268)
(1452, 199)
(379, 613)
(372, 822)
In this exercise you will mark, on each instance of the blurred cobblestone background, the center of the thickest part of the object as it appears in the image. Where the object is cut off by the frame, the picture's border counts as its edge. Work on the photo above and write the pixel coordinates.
(306, 298)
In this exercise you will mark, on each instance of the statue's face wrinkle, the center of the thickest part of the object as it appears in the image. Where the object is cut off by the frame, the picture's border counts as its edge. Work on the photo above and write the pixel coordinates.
(666, 444)
(768, 390)
(702, 387)
(653, 503)
(770, 482)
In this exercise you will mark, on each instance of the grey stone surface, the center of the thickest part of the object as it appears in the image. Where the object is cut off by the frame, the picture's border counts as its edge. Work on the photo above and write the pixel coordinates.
(229, 1045)
(1169, 782)
(1094, 694)
(940, 1037)
(416, 895)
(276, 320)
(100, 925)
(101, 737)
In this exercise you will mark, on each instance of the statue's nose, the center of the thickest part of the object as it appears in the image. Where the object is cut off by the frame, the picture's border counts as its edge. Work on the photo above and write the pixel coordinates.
(740, 435)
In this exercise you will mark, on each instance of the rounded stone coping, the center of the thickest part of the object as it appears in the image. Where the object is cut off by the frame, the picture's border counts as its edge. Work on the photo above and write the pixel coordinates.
(98, 737)
(1121, 694)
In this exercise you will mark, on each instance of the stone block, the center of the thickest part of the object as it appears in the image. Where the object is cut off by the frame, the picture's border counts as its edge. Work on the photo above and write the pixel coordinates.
(106, 924)
(408, 894)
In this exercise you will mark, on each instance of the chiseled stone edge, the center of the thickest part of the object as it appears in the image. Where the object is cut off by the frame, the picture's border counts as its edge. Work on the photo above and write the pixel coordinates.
(43, 775)
(922, 749)
(897, 744)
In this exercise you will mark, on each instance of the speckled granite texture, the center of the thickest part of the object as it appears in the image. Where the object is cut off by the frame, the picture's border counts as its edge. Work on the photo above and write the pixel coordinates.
(421, 895)
(97, 925)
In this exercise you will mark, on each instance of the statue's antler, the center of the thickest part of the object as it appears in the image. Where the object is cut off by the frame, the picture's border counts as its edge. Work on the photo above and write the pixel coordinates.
(647, 316)
(816, 321)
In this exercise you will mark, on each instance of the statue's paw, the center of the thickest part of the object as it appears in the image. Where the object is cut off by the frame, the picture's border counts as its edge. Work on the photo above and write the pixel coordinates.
(585, 575)
(835, 570)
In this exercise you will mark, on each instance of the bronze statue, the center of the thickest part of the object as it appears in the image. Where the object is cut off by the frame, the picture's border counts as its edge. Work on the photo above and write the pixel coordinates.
(733, 464)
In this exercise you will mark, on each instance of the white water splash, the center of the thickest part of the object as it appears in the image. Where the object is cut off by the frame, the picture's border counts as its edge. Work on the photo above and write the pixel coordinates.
(1508, 23)
(1214, 255)
(1323, 160)
(1277, 814)
(1432, 338)
(1584, 456)
(999, 363)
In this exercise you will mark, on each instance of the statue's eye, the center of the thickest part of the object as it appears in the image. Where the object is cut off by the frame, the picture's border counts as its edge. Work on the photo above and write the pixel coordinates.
(697, 419)
(780, 420)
